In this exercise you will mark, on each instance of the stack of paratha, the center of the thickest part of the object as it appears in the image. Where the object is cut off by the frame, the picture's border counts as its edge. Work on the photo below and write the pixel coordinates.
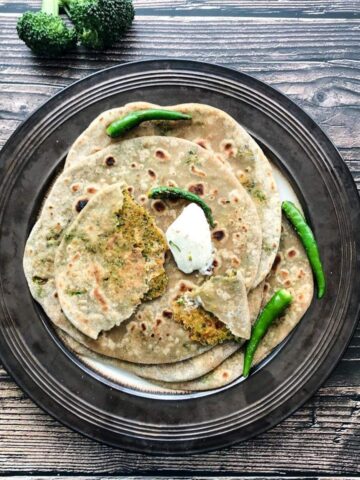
(98, 262)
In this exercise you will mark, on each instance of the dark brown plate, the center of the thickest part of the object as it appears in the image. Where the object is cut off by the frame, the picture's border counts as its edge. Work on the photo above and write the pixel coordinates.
(91, 404)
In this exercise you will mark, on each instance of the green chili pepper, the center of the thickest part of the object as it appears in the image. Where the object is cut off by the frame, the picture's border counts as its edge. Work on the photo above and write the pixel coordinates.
(308, 240)
(124, 124)
(273, 309)
(174, 192)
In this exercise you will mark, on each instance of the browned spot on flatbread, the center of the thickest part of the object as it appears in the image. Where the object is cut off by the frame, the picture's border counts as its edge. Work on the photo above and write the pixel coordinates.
(100, 299)
(80, 204)
(218, 235)
(151, 173)
(75, 187)
(162, 154)
(167, 313)
(110, 161)
(91, 190)
(276, 262)
(97, 274)
(197, 188)
(197, 171)
(159, 206)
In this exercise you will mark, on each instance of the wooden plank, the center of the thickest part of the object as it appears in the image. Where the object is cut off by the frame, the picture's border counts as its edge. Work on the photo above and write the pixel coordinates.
(313, 57)
(111, 477)
(244, 8)
(315, 63)
(321, 438)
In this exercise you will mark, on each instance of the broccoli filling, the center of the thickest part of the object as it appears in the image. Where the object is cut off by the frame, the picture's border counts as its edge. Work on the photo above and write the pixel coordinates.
(203, 326)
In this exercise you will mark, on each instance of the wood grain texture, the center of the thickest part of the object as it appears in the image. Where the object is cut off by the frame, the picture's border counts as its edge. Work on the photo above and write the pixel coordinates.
(264, 8)
(308, 50)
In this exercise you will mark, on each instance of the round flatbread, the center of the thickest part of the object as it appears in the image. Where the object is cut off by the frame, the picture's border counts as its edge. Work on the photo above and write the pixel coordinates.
(215, 131)
(151, 335)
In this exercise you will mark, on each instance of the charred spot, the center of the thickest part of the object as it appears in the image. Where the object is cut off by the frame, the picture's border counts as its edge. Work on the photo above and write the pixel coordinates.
(287, 284)
(276, 262)
(228, 146)
(91, 190)
(130, 189)
(133, 165)
(158, 321)
(143, 327)
(159, 206)
(185, 288)
(110, 161)
(215, 263)
(152, 335)
(151, 173)
(291, 253)
(266, 287)
(75, 187)
(56, 295)
(218, 235)
(160, 154)
(81, 204)
(132, 328)
(301, 273)
(167, 313)
(197, 188)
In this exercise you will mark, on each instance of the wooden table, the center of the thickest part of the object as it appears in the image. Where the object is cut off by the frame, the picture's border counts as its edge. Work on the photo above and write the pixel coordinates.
(307, 49)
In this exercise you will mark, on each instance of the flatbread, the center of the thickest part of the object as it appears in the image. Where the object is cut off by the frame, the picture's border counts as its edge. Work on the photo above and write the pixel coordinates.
(110, 259)
(151, 335)
(217, 132)
(291, 270)
(174, 372)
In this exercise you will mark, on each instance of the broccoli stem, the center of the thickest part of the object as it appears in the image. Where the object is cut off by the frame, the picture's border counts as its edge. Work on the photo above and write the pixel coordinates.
(50, 6)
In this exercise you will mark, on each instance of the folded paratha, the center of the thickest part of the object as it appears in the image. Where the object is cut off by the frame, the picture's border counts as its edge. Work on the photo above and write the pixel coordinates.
(291, 270)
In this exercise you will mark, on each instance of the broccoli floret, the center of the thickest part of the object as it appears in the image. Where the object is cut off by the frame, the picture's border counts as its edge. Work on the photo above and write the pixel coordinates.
(45, 32)
(100, 23)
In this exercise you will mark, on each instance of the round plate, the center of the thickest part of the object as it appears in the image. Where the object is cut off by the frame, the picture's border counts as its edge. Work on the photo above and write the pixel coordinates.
(93, 405)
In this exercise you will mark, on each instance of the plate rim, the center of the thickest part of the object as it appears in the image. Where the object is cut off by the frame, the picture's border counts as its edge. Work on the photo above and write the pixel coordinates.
(234, 73)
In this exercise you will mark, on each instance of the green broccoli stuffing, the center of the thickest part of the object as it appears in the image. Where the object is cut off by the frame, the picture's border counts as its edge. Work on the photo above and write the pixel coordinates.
(44, 32)
(99, 23)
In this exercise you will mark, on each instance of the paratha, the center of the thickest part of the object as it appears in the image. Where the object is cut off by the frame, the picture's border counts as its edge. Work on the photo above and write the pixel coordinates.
(174, 372)
(291, 270)
(151, 335)
(213, 130)
(110, 259)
